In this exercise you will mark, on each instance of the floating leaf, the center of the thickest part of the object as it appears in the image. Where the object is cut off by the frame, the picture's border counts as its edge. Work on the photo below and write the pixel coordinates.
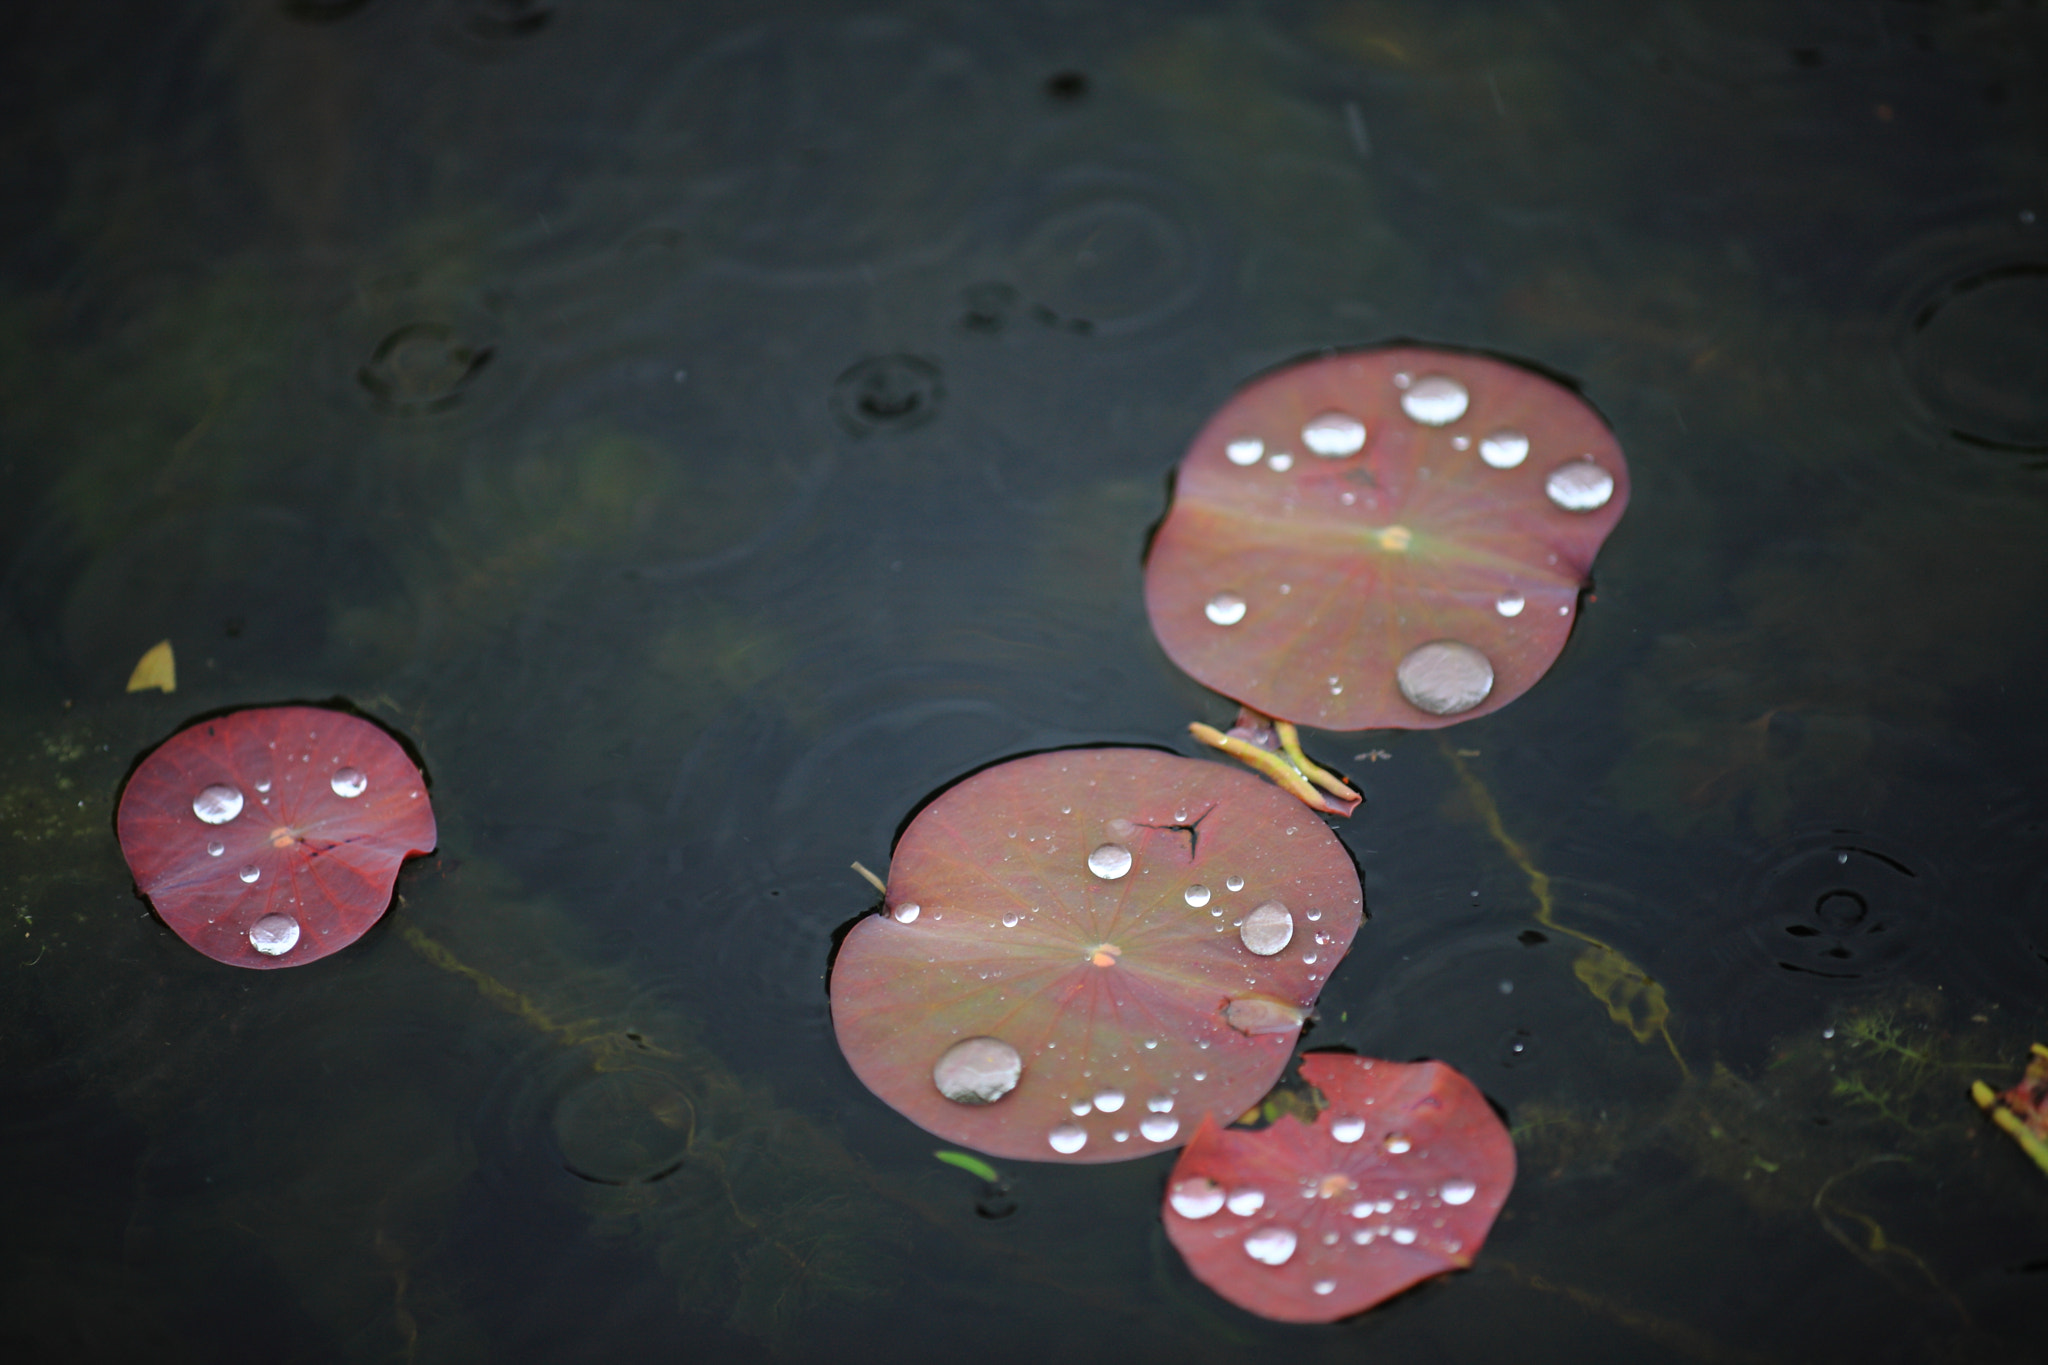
(1397, 1180)
(1083, 952)
(272, 837)
(1390, 538)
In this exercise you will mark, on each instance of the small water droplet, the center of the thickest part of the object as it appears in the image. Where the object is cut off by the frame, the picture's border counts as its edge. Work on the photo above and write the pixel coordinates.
(348, 782)
(1245, 1203)
(1509, 604)
(1435, 400)
(1200, 1075)
(1458, 1191)
(250, 872)
(977, 1071)
(1196, 1198)
(906, 913)
(263, 785)
(1122, 1135)
(1068, 1138)
(1160, 1128)
(1314, 915)
(1325, 1286)
(1334, 435)
(217, 804)
(1151, 1043)
(1403, 380)
(1196, 895)
(1009, 919)
(1349, 1128)
(1160, 1104)
(1110, 861)
(1270, 1246)
(274, 935)
(1267, 929)
(1445, 677)
(1404, 1235)
(215, 847)
(1580, 486)
(1233, 883)
(1280, 462)
(1396, 1143)
(1308, 959)
(1109, 1101)
(1827, 1033)
(1225, 609)
(1245, 450)
(1504, 449)
(1079, 1108)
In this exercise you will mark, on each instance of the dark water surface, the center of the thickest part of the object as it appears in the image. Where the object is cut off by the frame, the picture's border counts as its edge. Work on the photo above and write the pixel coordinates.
(706, 431)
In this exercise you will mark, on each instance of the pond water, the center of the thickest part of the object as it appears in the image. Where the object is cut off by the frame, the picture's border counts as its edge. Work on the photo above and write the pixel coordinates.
(704, 433)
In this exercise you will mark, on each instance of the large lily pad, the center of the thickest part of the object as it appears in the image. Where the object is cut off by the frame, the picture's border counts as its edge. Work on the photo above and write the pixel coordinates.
(272, 837)
(1397, 1180)
(1339, 515)
(1090, 950)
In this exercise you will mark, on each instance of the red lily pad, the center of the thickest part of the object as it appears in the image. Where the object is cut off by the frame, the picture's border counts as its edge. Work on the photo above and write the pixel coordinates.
(1342, 514)
(272, 837)
(1083, 952)
(1397, 1180)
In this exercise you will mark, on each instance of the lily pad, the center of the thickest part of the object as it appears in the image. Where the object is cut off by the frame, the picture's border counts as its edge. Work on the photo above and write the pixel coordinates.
(1397, 1180)
(1391, 538)
(1081, 953)
(272, 837)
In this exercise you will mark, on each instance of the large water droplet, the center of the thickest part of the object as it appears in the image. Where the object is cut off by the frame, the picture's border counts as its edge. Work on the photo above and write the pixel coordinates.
(1509, 604)
(1270, 1246)
(1580, 486)
(1334, 434)
(1445, 677)
(1504, 449)
(977, 1071)
(218, 804)
(215, 847)
(1349, 1128)
(274, 935)
(1196, 895)
(1196, 1198)
(250, 872)
(1109, 1101)
(1245, 451)
(1160, 1128)
(1110, 861)
(1245, 1203)
(1396, 1143)
(348, 782)
(906, 912)
(1233, 883)
(1458, 1191)
(1068, 1138)
(1267, 929)
(1435, 400)
(1225, 609)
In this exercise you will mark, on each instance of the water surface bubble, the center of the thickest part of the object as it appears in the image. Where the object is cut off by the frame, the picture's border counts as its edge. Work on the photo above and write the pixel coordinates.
(1160, 1128)
(348, 782)
(217, 804)
(274, 935)
(1196, 895)
(1435, 400)
(1349, 1128)
(1245, 451)
(1270, 1246)
(1110, 861)
(1267, 929)
(1334, 435)
(1458, 1191)
(1579, 486)
(977, 1071)
(1225, 609)
(1445, 677)
(1504, 449)
(1068, 1138)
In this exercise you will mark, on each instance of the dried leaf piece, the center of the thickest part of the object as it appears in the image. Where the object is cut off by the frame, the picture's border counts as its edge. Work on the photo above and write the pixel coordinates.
(2023, 1110)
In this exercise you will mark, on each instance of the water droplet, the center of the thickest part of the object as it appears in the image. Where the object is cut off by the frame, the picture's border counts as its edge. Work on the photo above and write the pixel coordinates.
(1160, 1104)
(1504, 449)
(1458, 1191)
(1245, 1203)
(1259, 1014)
(1827, 1032)
(1267, 929)
(1435, 400)
(1270, 1246)
(215, 847)
(348, 782)
(1079, 1108)
(1404, 1235)
(1110, 861)
(1150, 1043)
(1461, 443)
(1196, 895)
(1325, 1286)
(1068, 1138)
(1245, 451)
(977, 1071)
(1225, 609)
(1233, 883)
(1009, 919)
(1348, 1129)
(1580, 486)
(1445, 677)
(1280, 462)
(250, 872)
(1201, 1075)
(263, 785)
(218, 804)
(1334, 434)
(1196, 1198)
(906, 913)
(274, 935)
(1396, 1143)
(1159, 1128)
(1109, 1101)
(1308, 959)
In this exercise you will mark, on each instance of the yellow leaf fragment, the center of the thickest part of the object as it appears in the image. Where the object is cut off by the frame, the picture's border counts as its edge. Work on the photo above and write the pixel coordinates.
(158, 668)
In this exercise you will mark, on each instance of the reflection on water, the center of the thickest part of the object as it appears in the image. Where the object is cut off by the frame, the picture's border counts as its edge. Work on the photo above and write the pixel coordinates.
(707, 432)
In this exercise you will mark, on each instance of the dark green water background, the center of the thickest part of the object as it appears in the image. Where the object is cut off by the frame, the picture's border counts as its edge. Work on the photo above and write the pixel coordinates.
(707, 429)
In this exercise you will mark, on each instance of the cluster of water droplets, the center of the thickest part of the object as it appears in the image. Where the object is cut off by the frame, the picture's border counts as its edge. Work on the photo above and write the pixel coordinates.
(221, 803)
